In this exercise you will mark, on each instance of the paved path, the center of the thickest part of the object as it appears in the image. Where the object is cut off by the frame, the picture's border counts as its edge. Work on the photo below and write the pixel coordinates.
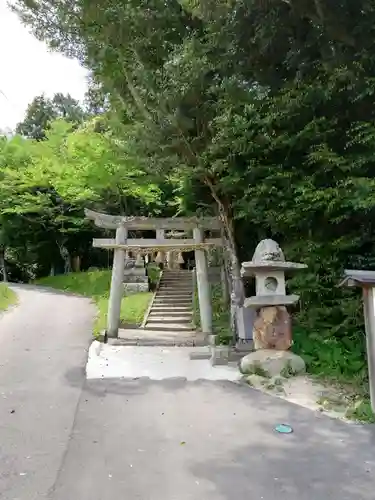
(43, 348)
(168, 440)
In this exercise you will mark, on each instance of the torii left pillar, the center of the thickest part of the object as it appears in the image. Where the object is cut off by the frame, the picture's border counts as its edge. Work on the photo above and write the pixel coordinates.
(117, 284)
(204, 292)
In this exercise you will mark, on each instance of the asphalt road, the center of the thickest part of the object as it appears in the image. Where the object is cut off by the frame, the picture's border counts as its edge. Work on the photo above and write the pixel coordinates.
(64, 438)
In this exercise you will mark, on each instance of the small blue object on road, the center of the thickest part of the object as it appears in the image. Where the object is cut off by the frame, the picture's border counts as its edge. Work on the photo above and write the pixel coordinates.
(283, 429)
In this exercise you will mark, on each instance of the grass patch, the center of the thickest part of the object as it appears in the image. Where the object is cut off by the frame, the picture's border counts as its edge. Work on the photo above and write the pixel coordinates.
(95, 285)
(220, 315)
(7, 297)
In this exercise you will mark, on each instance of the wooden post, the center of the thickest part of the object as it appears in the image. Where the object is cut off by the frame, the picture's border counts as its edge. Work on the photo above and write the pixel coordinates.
(117, 286)
(204, 292)
(369, 313)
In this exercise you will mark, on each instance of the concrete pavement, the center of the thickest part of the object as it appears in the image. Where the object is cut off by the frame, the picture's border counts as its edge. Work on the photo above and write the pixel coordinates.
(178, 440)
(70, 439)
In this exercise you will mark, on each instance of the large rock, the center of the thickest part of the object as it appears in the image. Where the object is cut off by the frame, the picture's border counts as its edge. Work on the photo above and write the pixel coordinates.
(272, 329)
(272, 363)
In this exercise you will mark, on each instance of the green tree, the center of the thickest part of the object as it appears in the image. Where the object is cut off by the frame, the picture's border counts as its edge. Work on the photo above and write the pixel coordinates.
(45, 185)
(42, 111)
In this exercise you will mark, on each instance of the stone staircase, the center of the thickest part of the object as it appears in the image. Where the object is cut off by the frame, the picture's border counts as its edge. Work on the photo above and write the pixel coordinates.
(171, 310)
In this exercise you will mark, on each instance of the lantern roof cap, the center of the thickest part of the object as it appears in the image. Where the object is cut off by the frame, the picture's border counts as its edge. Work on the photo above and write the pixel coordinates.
(268, 256)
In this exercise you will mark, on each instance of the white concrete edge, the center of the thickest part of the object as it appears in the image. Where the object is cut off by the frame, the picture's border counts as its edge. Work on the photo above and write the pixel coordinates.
(94, 352)
(153, 363)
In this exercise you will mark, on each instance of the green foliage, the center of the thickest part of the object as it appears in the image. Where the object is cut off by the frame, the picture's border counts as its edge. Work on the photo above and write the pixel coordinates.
(7, 297)
(361, 411)
(45, 186)
(153, 272)
(42, 111)
(328, 356)
(95, 285)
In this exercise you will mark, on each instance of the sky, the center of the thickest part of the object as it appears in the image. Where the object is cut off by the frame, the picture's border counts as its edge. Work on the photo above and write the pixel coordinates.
(28, 69)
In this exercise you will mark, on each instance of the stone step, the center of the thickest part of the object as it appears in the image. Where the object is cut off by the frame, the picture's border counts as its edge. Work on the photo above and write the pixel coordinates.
(175, 327)
(170, 309)
(175, 316)
(176, 287)
(172, 293)
(176, 271)
(186, 277)
(177, 303)
(161, 318)
(176, 283)
(169, 313)
(170, 299)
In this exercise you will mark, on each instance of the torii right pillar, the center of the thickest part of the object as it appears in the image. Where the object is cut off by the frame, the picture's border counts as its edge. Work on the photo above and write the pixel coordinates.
(204, 292)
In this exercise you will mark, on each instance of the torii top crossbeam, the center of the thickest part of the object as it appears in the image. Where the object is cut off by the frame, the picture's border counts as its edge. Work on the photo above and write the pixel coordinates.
(144, 223)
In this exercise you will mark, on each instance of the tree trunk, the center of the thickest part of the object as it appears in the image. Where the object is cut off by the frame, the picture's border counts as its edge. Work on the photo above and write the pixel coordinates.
(237, 291)
(3, 266)
(76, 264)
(64, 252)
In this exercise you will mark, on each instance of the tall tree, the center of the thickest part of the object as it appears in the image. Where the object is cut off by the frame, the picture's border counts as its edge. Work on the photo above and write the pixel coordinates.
(42, 111)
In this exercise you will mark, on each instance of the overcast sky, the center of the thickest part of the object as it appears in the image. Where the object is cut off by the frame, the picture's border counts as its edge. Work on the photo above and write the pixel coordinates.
(27, 69)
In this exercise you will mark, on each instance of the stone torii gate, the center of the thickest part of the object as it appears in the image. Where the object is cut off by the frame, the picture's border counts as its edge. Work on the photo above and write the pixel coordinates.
(121, 244)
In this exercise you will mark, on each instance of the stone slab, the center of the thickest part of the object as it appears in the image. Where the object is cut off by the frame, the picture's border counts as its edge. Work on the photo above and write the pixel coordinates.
(202, 353)
(159, 337)
(156, 363)
(251, 268)
(271, 300)
(163, 326)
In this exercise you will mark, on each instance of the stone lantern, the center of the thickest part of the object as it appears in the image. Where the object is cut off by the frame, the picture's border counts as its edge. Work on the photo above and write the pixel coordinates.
(272, 326)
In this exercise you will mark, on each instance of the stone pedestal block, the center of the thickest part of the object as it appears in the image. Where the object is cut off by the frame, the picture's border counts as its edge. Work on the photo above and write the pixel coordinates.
(130, 288)
(272, 329)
